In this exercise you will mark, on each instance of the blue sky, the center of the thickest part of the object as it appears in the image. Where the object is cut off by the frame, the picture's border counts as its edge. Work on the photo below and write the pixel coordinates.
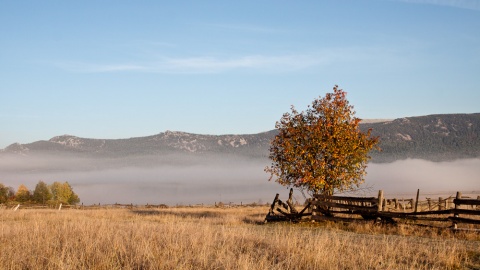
(119, 69)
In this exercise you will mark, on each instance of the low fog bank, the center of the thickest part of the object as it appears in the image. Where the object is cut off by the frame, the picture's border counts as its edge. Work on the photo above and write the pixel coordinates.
(202, 179)
(404, 177)
(206, 180)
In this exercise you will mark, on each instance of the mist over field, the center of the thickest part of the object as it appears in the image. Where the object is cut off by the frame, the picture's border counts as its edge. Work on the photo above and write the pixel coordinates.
(406, 176)
(207, 180)
(213, 179)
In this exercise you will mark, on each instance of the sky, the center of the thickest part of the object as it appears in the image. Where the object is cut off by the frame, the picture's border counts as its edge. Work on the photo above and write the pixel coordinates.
(120, 69)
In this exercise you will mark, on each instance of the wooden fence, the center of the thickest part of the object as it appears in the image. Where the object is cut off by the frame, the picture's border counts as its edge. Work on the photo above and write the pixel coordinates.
(463, 210)
(453, 211)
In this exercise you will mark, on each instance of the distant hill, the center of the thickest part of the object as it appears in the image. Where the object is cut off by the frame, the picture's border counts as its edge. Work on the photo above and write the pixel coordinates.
(433, 137)
(439, 137)
(168, 142)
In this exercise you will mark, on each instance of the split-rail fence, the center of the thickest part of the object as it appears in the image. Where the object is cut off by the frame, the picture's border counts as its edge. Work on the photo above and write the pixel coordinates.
(450, 211)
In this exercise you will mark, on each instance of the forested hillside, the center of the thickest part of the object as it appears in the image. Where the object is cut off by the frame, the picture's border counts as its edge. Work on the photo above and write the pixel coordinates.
(433, 137)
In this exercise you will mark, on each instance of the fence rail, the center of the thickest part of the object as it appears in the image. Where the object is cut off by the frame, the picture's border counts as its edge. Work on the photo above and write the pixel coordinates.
(355, 209)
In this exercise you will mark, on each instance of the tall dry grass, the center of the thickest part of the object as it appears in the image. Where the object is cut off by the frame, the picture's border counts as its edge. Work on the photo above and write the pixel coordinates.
(207, 238)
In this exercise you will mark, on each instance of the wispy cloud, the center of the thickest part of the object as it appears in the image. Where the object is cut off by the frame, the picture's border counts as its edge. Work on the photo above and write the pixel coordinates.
(269, 63)
(465, 4)
(83, 67)
(207, 64)
(201, 64)
(108, 68)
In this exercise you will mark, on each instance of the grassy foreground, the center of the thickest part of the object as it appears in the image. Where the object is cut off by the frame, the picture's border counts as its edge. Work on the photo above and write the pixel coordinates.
(213, 238)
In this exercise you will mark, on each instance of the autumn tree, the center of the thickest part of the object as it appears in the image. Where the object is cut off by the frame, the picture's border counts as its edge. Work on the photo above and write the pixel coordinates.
(73, 199)
(42, 193)
(23, 194)
(3, 193)
(11, 193)
(321, 150)
(63, 193)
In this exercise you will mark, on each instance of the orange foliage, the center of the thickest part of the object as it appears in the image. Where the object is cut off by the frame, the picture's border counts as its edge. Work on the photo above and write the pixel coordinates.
(322, 149)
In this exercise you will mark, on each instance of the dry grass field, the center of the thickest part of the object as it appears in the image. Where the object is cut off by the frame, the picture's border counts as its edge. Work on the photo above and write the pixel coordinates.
(218, 238)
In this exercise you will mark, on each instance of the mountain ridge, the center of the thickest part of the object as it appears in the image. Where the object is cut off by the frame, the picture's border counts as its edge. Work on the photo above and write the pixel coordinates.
(437, 137)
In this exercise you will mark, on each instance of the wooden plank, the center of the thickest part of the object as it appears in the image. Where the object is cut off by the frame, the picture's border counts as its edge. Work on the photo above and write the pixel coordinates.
(282, 204)
(380, 201)
(344, 198)
(273, 218)
(290, 202)
(410, 217)
(441, 212)
(325, 218)
(466, 202)
(416, 201)
(433, 212)
(466, 230)
(283, 212)
(272, 207)
(306, 207)
(348, 212)
(464, 220)
(347, 206)
(459, 196)
(427, 218)
(466, 212)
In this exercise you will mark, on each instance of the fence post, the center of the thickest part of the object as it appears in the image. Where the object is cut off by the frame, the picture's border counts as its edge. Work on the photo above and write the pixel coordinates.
(416, 201)
(478, 198)
(455, 214)
(396, 203)
(273, 204)
(449, 203)
(380, 201)
(440, 200)
(290, 202)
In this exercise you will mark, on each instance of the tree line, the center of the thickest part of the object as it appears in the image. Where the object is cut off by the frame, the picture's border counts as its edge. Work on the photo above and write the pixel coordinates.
(42, 194)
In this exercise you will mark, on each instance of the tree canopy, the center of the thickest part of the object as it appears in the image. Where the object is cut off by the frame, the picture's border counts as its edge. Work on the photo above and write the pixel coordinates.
(42, 193)
(23, 194)
(63, 192)
(3, 193)
(321, 149)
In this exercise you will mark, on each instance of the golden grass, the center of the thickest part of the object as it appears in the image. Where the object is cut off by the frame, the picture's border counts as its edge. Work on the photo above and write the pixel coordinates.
(212, 238)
